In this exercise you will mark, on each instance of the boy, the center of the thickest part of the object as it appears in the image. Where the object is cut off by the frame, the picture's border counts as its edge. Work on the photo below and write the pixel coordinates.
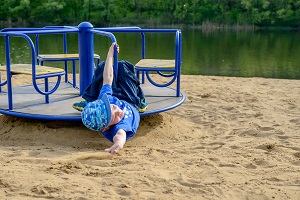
(117, 119)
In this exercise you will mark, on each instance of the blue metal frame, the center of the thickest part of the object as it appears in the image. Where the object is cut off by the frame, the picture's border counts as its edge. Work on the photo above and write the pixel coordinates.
(23, 33)
(86, 34)
(145, 71)
(64, 118)
(39, 117)
(65, 51)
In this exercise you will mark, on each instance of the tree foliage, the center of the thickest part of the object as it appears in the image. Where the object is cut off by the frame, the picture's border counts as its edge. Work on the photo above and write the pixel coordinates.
(150, 12)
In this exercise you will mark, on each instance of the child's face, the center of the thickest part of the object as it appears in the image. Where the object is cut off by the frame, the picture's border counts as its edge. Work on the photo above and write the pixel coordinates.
(116, 114)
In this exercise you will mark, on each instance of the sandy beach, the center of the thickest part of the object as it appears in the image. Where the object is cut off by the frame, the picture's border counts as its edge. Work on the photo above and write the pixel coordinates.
(233, 138)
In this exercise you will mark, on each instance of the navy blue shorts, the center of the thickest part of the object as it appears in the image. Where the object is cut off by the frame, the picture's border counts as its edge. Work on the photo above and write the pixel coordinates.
(126, 87)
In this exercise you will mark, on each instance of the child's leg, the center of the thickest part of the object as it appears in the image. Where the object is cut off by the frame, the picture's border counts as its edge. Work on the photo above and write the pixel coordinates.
(127, 84)
(91, 93)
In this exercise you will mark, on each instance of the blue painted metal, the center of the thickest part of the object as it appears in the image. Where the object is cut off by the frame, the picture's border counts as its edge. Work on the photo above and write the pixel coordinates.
(2, 83)
(86, 55)
(39, 117)
(165, 108)
(65, 52)
(8, 72)
(86, 33)
(113, 39)
(22, 29)
(66, 60)
(33, 59)
(74, 72)
(46, 89)
(78, 118)
(160, 71)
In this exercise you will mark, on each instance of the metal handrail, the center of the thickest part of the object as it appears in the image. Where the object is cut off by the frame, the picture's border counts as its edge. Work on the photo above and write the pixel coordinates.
(113, 39)
(7, 36)
(178, 53)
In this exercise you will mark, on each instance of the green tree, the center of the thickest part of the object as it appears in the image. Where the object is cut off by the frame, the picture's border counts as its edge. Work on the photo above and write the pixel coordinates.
(15, 11)
(153, 12)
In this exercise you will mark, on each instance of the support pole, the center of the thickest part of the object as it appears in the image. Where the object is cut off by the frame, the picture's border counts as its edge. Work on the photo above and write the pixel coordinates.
(86, 55)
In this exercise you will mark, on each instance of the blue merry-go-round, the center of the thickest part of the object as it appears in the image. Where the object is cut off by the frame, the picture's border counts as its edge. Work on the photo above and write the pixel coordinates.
(46, 99)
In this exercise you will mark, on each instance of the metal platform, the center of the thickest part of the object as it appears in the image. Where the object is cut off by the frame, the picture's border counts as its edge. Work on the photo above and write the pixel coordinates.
(30, 104)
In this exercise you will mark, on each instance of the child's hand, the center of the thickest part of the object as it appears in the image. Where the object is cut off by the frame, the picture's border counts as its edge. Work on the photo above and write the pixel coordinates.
(111, 49)
(118, 48)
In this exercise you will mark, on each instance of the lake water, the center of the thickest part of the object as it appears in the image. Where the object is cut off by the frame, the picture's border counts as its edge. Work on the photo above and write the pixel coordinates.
(272, 54)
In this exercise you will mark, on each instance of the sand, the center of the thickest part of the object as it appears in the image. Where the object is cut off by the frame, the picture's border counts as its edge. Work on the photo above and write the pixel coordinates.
(233, 138)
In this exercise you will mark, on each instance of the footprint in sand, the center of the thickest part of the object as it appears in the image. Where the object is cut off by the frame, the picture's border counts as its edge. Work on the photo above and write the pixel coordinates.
(297, 155)
(295, 121)
(101, 159)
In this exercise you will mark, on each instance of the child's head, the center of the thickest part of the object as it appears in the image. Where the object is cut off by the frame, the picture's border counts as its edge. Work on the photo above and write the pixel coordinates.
(97, 114)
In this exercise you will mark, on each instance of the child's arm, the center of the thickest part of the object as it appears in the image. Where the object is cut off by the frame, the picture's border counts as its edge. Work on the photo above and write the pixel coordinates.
(108, 73)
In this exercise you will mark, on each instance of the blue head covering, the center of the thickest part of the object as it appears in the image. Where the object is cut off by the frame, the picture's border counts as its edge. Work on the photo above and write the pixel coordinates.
(96, 115)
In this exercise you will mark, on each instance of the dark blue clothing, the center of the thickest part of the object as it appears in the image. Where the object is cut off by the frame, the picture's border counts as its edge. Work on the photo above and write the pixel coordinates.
(126, 87)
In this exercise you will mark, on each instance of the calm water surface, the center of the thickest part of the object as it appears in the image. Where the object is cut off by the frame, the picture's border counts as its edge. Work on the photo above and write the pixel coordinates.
(272, 54)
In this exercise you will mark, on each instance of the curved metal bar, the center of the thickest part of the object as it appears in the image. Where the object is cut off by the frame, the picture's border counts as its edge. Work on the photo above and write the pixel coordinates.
(50, 75)
(165, 75)
(90, 33)
(36, 87)
(166, 108)
(52, 90)
(104, 33)
(3, 83)
(113, 39)
(157, 84)
(120, 29)
(178, 49)
(34, 77)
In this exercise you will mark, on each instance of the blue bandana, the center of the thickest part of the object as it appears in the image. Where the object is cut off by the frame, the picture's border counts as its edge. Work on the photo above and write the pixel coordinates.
(96, 115)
